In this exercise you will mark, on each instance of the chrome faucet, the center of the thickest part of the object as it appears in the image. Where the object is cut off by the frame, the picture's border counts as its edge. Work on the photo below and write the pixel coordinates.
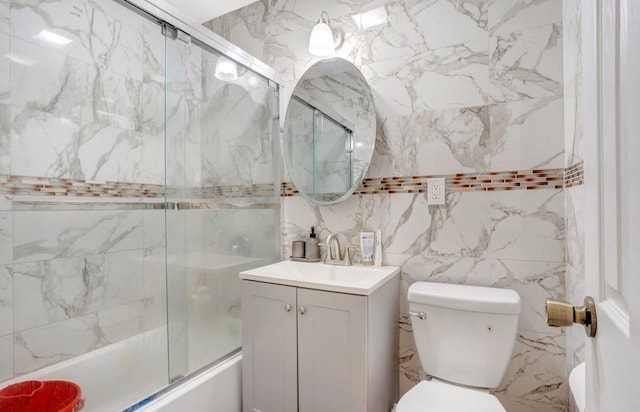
(334, 254)
(333, 247)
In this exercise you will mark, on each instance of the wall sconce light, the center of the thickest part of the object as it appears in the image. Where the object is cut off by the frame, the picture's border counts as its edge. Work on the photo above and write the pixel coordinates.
(321, 40)
(226, 70)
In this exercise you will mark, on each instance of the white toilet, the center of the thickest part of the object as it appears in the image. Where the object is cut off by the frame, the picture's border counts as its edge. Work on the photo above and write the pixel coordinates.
(465, 337)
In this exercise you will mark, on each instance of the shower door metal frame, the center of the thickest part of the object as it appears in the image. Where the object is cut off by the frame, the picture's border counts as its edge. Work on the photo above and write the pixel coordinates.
(164, 12)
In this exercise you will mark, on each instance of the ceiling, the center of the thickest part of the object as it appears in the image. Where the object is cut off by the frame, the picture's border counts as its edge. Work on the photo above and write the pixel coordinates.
(205, 10)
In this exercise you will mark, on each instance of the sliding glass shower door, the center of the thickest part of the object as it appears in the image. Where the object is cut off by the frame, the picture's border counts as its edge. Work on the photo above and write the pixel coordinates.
(222, 196)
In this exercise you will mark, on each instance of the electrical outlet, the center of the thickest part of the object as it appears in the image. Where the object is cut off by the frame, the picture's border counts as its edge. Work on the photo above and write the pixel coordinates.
(435, 191)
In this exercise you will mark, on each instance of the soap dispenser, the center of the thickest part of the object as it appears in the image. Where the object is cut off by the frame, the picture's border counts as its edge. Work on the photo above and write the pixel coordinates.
(312, 248)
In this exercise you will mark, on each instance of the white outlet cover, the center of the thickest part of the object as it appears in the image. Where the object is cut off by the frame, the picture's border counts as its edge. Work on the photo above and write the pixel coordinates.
(435, 191)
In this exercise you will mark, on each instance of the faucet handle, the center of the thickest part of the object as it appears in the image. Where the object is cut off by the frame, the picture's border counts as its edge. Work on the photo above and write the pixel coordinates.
(347, 255)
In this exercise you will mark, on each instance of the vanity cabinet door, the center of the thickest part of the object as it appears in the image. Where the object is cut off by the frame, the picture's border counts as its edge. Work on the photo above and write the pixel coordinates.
(332, 352)
(269, 352)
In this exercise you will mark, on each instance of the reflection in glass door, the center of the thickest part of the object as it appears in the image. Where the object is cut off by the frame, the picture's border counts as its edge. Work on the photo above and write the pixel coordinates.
(222, 194)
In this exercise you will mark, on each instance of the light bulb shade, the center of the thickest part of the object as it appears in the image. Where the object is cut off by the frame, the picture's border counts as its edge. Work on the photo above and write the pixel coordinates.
(226, 70)
(321, 41)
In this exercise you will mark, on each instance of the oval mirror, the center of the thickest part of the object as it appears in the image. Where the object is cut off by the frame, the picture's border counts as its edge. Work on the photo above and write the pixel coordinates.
(329, 131)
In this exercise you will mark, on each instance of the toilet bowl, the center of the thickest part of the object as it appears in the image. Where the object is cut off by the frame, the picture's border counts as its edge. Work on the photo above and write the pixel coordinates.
(465, 336)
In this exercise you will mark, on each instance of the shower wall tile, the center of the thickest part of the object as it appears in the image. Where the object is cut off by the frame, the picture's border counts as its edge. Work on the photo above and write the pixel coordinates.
(5, 139)
(6, 357)
(527, 134)
(5, 16)
(48, 235)
(534, 282)
(6, 237)
(53, 290)
(154, 272)
(154, 229)
(153, 151)
(122, 322)
(506, 16)
(526, 64)
(6, 302)
(72, 148)
(528, 225)
(155, 312)
(49, 81)
(92, 34)
(535, 379)
(5, 64)
(433, 142)
(53, 343)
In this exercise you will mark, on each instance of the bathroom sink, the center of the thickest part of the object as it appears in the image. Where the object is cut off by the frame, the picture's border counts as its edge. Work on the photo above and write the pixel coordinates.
(359, 280)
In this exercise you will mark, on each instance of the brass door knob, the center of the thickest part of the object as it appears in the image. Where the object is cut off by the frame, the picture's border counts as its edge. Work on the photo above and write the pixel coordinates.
(561, 313)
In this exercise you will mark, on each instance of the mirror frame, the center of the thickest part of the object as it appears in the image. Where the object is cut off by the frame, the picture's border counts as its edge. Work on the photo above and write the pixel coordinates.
(369, 156)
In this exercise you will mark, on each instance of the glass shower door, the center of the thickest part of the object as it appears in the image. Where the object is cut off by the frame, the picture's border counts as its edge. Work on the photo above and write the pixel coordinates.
(222, 196)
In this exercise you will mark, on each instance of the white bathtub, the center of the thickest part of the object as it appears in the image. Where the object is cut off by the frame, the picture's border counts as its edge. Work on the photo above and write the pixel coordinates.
(219, 389)
(117, 376)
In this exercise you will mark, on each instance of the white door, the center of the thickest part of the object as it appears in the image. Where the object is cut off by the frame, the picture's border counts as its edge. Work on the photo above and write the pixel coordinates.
(611, 68)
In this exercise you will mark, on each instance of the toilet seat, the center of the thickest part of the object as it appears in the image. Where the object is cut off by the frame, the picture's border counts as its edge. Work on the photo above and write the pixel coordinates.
(438, 396)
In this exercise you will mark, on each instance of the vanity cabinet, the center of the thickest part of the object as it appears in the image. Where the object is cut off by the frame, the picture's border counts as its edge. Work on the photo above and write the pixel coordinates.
(311, 350)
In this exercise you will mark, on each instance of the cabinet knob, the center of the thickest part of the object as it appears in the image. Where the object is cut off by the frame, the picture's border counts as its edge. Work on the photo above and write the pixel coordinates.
(287, 308)
(302, 310)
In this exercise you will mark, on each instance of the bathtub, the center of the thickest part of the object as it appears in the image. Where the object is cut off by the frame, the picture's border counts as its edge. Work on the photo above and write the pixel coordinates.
(137, 375)
(216, 389)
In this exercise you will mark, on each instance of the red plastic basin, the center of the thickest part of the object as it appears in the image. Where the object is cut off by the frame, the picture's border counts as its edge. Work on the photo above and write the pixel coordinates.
(41, 396)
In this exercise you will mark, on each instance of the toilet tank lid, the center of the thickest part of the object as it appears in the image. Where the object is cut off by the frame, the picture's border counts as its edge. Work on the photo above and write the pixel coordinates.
(465, 297)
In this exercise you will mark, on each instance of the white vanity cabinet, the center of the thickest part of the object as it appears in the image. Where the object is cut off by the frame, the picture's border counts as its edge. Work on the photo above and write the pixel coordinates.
(314, 350)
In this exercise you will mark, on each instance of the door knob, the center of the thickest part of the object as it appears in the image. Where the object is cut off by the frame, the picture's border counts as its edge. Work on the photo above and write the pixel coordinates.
(561, 313)
(287, 308)
(302, 310)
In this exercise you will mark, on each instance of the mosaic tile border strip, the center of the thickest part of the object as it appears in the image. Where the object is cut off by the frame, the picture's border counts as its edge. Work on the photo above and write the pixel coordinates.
(536, 179)
(574, 175)
(63, 187)
(460, 182)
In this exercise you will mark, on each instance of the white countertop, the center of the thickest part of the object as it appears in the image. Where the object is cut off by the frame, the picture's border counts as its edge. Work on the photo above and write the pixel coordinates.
(357, 280)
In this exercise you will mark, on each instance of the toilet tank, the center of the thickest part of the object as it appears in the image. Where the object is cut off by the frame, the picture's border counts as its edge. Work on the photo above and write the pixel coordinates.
(468, 334)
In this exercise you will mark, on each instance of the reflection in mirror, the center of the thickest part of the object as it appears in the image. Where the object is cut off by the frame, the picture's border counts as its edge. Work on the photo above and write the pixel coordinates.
(329, 131)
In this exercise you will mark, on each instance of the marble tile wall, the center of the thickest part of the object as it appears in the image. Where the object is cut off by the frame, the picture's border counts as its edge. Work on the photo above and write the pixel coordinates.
(73, 76)
(82, 99)
(573, 155)
(459, 87)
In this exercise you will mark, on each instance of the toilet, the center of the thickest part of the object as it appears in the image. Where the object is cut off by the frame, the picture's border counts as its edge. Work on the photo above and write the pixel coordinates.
(465, 337)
